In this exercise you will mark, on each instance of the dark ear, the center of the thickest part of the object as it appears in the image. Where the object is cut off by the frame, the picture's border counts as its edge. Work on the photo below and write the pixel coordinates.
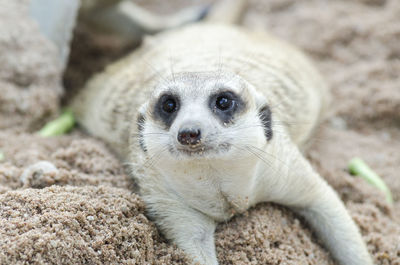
(140, 123)
(265, 117)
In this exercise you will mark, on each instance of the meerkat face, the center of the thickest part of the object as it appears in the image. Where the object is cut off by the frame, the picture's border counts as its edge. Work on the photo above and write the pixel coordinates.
(204, 116)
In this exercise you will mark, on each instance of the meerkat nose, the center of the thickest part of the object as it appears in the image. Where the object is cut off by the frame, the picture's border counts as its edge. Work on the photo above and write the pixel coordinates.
(190, 136)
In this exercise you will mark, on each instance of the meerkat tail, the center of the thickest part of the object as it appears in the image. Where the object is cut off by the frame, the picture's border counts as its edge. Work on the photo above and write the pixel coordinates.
(227, 11)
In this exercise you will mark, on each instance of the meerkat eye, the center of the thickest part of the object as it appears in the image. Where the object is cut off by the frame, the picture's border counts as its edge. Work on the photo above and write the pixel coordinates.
(224, 103)
(167, 108)
(169, 105)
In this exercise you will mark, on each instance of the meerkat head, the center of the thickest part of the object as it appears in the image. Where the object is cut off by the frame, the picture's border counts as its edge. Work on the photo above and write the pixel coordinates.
(204, 115)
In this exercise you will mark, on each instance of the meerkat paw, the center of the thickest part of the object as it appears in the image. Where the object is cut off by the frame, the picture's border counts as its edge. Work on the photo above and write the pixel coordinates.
(189, 229)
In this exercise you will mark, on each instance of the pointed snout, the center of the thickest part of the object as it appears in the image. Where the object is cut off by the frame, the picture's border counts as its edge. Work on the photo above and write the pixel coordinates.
(189, 136)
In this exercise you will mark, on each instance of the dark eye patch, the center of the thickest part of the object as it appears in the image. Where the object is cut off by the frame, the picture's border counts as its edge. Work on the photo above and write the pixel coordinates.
(166, 109)
(265, 117)
(225, 104)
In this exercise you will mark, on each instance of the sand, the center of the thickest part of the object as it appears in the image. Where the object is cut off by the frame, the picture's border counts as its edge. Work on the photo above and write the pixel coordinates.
(83, 208)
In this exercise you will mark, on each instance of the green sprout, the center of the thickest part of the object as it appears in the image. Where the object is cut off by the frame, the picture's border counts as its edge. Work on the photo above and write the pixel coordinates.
(359, 168)
(2, 157)
(59, 126)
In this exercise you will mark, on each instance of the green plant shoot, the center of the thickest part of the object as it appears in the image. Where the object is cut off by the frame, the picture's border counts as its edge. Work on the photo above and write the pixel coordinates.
(358, 167)
(59, 126)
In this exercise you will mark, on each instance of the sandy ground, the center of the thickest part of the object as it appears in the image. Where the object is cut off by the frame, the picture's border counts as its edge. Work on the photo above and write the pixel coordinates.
(86, 210)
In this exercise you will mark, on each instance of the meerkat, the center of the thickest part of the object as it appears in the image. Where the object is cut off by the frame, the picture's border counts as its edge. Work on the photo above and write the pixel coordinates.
(202, 115)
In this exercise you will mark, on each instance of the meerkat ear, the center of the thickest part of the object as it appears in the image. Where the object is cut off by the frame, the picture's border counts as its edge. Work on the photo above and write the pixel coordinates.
(265, 117)
(264, 112)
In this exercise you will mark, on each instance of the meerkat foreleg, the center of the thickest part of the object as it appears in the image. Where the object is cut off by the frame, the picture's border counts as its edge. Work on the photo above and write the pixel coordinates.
(302, 189)
(189, 229)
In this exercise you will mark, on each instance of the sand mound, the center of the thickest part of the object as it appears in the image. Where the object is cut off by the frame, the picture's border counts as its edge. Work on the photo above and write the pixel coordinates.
(29, 74)
(80, 207)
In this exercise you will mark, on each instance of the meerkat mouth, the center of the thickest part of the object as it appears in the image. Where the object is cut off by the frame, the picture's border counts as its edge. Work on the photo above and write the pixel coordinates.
(200, 150)
(195, 151)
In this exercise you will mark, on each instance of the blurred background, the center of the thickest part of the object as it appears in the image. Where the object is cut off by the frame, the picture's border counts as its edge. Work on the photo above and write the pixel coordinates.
(85, 212)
